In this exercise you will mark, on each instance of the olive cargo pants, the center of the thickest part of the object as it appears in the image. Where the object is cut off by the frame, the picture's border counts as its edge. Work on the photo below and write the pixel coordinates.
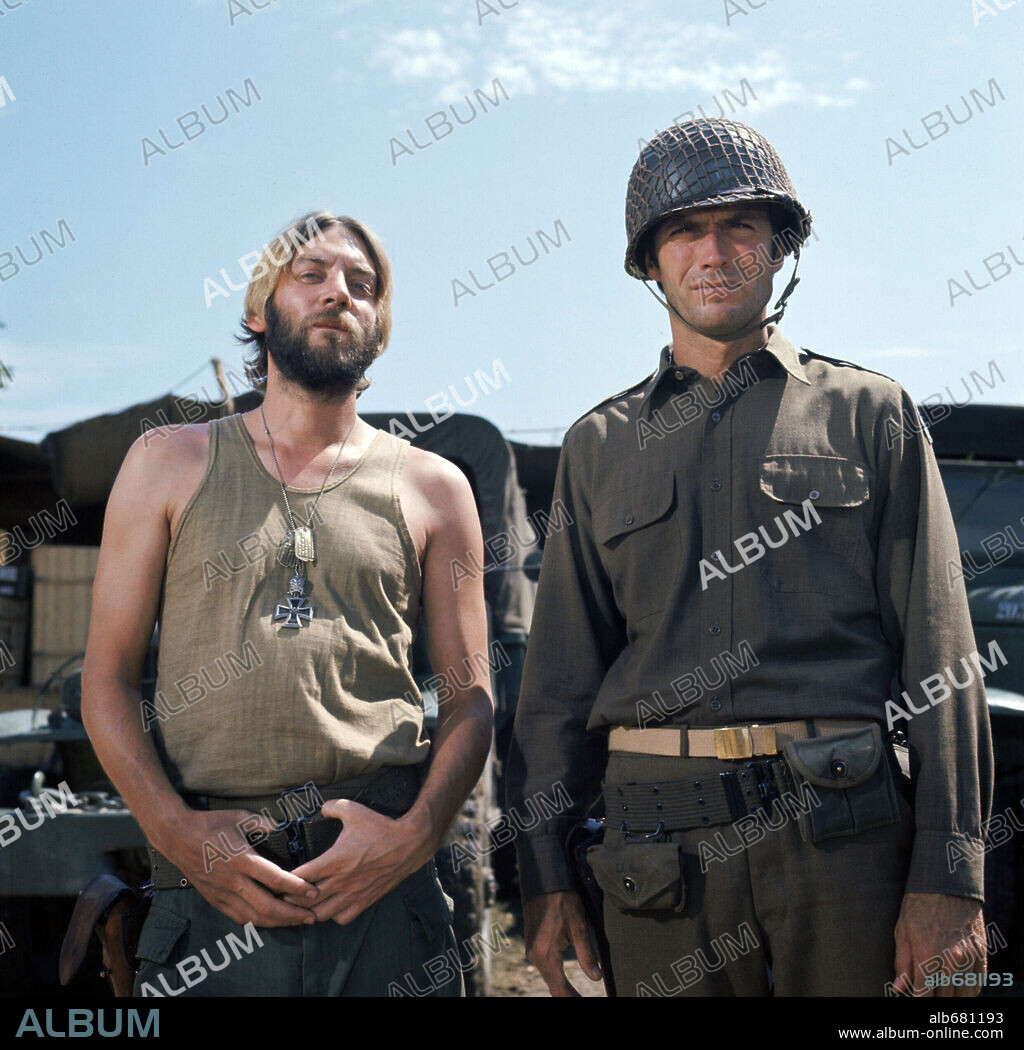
(401, 945)
(776, 916)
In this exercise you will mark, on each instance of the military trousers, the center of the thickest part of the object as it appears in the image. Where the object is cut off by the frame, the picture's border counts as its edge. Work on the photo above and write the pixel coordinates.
(402, 945)
(760, 911)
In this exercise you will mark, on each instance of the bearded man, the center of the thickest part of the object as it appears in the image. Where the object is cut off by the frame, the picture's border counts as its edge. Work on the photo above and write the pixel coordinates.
(320, 703)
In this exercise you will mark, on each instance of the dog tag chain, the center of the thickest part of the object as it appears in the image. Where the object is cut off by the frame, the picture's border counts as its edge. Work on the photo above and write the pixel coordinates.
(298, 548)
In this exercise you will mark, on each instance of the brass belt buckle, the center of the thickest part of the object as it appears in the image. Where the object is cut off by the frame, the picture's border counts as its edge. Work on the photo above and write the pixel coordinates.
(733, 742)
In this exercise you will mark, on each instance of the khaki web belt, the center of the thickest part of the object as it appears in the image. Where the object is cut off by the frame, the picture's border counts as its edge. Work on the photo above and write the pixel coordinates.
(724, 741)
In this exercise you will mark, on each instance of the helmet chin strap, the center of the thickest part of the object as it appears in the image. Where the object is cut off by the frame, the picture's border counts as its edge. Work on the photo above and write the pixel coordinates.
(750, 326)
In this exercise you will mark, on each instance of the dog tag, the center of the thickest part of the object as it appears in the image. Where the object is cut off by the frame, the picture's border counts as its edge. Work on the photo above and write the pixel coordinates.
(305, 544)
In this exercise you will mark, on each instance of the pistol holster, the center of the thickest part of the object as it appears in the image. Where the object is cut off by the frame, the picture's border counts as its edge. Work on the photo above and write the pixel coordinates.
(580, 839)
(116, 913)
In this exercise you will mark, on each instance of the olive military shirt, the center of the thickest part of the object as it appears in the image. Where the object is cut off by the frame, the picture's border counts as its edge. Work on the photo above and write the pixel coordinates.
(772, 547)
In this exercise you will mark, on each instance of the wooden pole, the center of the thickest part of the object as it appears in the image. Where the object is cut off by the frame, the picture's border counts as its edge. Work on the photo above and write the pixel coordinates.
(229, 401)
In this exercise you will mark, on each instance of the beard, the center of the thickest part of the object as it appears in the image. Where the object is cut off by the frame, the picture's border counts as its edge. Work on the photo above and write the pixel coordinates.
(329, 372)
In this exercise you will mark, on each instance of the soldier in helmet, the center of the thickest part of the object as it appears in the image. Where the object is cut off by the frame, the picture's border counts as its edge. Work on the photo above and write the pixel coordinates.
(752, 601)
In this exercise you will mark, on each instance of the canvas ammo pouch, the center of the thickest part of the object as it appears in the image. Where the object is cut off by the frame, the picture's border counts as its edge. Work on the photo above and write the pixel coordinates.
(850, 776)
(640, 876)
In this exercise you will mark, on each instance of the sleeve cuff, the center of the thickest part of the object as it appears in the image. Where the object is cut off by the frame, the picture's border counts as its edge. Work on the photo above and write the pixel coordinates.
(947, 862)
(543, 864)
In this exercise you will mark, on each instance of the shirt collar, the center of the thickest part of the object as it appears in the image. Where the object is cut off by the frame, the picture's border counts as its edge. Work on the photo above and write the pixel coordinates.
(778, 346)
(786, 354)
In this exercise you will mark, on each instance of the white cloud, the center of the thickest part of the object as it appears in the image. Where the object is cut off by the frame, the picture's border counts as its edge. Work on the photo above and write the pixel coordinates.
(830, 101)
(599, 48)
(418, 54)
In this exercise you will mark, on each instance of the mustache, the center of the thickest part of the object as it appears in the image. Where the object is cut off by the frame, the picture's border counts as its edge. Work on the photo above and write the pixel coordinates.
(341, 320)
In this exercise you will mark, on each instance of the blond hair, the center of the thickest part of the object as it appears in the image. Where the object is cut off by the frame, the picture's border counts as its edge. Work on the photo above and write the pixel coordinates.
(277, 256)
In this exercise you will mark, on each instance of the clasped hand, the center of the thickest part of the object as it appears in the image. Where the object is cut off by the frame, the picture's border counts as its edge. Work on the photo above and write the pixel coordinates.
(371, 856)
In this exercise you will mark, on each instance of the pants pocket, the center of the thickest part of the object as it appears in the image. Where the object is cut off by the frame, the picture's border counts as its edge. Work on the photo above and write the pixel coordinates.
(161, 934)
(434, 960)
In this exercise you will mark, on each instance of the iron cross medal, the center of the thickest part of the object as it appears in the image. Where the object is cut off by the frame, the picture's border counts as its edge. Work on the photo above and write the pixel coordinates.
(298, 612)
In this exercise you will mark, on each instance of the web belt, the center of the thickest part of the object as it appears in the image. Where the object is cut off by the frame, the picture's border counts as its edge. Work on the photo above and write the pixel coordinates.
(298, 839)
(723, 741)
(703, 801)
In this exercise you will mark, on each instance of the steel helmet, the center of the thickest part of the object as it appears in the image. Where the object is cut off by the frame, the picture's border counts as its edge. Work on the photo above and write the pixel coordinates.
(704, 163)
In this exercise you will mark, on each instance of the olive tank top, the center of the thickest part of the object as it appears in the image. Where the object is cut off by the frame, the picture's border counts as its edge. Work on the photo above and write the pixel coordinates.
(245, 705)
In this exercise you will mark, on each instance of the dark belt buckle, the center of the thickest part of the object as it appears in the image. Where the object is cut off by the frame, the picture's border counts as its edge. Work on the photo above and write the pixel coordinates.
(295, 808)
(299, 805)
(296, 842)
(766, 789)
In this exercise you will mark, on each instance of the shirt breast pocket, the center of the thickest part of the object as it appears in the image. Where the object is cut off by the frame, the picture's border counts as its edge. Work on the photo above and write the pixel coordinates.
(638, 537)
(815, 524)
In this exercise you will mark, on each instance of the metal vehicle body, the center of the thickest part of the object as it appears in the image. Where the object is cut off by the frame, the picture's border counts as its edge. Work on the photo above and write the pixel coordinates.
(980, 450)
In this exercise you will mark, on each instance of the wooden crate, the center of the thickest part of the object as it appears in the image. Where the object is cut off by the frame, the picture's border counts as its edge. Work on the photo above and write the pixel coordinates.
(61, 604)
(13, 639)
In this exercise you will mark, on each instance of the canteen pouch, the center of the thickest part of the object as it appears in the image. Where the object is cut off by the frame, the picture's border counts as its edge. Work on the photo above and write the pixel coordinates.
(849, 783)
(640, 876)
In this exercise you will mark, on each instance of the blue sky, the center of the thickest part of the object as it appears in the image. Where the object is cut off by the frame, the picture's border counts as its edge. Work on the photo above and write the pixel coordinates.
(124, 312)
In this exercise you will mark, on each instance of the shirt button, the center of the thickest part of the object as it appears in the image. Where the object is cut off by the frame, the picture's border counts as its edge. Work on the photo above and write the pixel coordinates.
(716, 485)
(714, 629)
(628, 519)
(814, 494)
(678, 374)
(716, 555)
(716, 416)
(716, 704)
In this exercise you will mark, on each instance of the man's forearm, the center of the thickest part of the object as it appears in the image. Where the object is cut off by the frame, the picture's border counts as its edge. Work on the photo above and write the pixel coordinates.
(110, 712)
(944, 713)
(457, 757)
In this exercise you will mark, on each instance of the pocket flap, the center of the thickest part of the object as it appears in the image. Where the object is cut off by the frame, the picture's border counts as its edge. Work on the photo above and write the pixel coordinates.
(827, 481)
(842, 760)
(431, 907)
(160, 933)
(634, 507)
(639, 875)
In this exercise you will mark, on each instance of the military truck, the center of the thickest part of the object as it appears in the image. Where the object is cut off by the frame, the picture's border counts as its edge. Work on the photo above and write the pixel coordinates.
(980, 450)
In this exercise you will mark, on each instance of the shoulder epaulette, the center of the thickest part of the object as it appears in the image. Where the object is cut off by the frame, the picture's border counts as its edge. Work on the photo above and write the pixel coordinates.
(614, 397)
(845, 364)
